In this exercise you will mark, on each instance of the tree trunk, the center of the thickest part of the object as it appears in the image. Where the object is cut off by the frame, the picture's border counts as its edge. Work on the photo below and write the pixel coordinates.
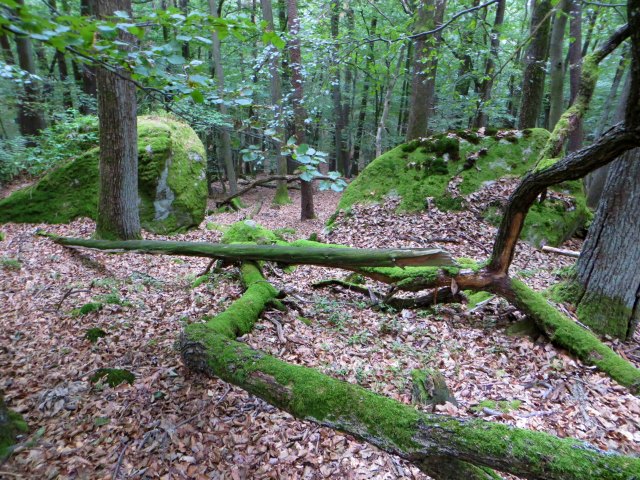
(535, 65)
(575, 69)
(607, 268)
(118, 216)
(487, 83)
(225, 136)
(282, 195)
(430, 14)
(88, 72)
(299, 113)
(60, 59)
(30, 117)
(393, 78)
(364, 98)
(556, 57)
(340, 152)
(184, 8)
(463, 82)
(7, 54)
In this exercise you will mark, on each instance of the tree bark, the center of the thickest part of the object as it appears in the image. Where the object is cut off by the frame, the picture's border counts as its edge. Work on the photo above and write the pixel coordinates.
(88, 72)
(7, 54)
(425, 63)
(393, 78)
(556, 57)
(225, 136)
(282, 195)
(118, 216)
(301, 252)
(340, 152)
(481, 117)
(299, 113)
(535, 65)
(609, 281)
(364, 98)
(575, 69)
(30, 117)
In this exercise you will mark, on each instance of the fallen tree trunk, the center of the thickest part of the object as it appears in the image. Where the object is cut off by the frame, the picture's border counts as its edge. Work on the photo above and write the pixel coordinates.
(561, 330)
(317, 255)
(442, 446)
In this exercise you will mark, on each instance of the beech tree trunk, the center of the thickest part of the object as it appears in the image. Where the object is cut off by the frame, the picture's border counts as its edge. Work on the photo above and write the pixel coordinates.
(299, 113)
(425, 63)
(486, 86)
(118, 216)
(88, 72)
(225, 136)
(391, 83)
(364, 99)
(575, 69)
(556, 60)
(340, 150)
(282, 194)
(535, 65)
(607, 269)
(30, 117)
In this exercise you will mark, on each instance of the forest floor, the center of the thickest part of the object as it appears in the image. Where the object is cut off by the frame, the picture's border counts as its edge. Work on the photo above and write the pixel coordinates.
(171, 423)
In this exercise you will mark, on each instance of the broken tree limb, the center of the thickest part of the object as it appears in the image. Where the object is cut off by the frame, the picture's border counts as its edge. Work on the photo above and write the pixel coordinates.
(442, 446)
(262, 182)
(286, 254)
(561, 251)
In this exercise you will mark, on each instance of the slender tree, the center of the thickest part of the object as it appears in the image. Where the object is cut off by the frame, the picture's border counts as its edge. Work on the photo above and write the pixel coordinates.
(118, 216)
(486, 85)
(340, 155)
(218, 71)
(30, 116)
(556, 57)
(430, 13)
(575, 68)
(297, 97)
(87, 72)
(535, 65)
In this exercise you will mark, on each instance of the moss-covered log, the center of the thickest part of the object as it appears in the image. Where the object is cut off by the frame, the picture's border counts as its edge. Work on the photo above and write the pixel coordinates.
(323, 256)
(442, 446)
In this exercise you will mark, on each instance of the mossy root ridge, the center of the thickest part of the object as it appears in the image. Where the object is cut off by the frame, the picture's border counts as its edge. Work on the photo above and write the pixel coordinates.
(11, 425)
(429, 441)
(565, 333)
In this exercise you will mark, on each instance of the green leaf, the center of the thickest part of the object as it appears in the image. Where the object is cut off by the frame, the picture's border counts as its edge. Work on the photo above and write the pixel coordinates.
(204, 40)
(176, 60)
(121, 14)
(244, 101)
(302, 149)
(197, 96)
(183, 38)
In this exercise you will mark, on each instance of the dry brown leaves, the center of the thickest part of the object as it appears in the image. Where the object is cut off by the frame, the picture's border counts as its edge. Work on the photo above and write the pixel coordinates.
(174, 424)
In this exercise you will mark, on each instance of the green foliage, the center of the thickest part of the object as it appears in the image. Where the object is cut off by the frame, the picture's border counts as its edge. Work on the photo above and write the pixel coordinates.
(504, 406)
(70, 136)
(112, 376)
(88, 308)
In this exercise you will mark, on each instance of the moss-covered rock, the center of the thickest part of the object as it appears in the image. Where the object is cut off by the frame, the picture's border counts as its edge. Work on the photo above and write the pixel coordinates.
(171, 183)
(424, 169)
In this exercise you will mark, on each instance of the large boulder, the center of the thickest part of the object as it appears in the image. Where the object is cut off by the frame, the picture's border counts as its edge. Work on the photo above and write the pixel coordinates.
(171, 183)
(473, 170)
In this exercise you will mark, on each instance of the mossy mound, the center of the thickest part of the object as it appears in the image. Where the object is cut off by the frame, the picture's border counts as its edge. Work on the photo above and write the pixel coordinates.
(171, 183)
(424, 168)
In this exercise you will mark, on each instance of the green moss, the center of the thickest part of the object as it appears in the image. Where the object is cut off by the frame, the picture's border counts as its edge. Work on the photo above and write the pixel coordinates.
(200, 280)
(306, 321)
(113, 376)
(476, 297)
(166, 149)
(88, 308)
(93, 334)
(10, 427)
(523, 328)
(10, 263)
(1, 236)
(282, 196)
(565, 292)
(567, 334)
(249, 231)
(504, 406)
(430, 388)
(604, 315)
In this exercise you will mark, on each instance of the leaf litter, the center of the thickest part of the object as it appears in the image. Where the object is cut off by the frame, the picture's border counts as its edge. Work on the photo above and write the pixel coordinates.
(171, 423)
